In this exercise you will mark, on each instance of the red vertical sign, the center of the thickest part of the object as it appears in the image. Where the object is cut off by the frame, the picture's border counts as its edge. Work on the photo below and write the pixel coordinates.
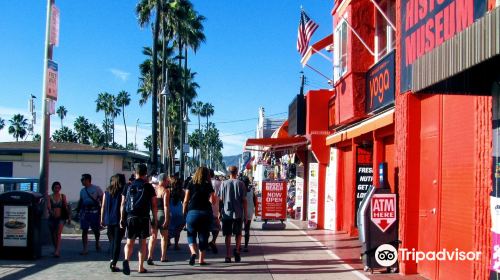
(274, 200)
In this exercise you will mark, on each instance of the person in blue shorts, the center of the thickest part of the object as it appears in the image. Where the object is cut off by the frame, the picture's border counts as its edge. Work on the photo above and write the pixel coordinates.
(90, 206)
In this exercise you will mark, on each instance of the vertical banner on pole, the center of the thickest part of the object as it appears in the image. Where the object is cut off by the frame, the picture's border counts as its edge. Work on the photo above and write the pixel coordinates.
(54, 26)
(51, 82)
(313, 196)
(495, 193)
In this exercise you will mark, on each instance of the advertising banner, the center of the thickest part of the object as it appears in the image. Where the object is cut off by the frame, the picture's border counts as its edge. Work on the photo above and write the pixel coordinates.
(380, 84)
(330, 191)
(425, 25)
(364, 175)
(54, 26)
(274, 195)
(383, 210)
(299, 192)
(15, 227)
(312, 206)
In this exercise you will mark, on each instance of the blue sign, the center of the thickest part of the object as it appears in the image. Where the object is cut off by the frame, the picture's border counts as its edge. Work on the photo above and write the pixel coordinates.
(380, 84)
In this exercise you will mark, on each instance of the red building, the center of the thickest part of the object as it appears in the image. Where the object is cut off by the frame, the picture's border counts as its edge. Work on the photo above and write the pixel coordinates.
(413, 86)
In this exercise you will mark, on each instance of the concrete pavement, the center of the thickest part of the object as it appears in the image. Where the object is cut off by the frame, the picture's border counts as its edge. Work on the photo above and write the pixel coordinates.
(287, 254)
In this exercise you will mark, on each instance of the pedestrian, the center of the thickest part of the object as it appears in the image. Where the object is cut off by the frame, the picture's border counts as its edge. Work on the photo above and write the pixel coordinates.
(138, 200)
(111, 215)
(234, 208)
(197, 208)
(90, 208)
(60, 213)
(162, 213)
(251, 203)
(177, 221)
(216, 225)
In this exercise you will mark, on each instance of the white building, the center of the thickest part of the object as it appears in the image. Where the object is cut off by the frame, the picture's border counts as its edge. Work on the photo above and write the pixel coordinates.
(68, 161)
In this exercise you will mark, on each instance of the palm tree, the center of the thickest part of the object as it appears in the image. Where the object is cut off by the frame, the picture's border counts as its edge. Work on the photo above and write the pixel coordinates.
(122, 100)
(144, 11)
(105, 102)
(65, 134)
(114, 111)
(18, 126)
(207, 111)
(2, 123)
(61, 112)
(96, 135)
(82, 129)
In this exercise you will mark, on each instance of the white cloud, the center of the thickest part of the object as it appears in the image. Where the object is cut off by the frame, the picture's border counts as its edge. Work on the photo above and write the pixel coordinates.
(120, 74)
(233, 144)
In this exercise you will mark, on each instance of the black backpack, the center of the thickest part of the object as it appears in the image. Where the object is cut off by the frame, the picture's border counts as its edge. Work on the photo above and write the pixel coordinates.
(137, 203)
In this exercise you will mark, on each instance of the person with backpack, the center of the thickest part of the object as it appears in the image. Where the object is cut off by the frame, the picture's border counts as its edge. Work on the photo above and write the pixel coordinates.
(177, 221)
(111, 215)
(89, 207)
(138, 200)
(197, 208)
(162, 202)
(234, 211)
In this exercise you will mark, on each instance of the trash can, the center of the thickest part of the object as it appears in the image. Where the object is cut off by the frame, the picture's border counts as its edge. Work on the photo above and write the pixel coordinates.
(20, 217)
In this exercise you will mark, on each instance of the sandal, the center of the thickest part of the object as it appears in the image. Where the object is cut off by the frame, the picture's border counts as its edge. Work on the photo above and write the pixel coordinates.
(143, 271)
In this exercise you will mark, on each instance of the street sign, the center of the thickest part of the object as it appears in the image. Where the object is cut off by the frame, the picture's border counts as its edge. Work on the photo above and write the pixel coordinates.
(185, 148)
(383, 210)
(274, 200)
(51, 82)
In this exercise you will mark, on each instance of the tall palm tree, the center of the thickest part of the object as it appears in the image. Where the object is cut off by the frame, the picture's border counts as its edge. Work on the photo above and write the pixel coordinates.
(144, 11)
(196, 110)
(105, 103)
(61, 112)
(2, 123)
(114, 111)
(18, 126)
(123, 100)
(207, 111)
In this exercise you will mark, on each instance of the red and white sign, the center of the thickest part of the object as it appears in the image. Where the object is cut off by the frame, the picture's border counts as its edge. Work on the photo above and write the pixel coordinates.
(274, 200)
(51, 83)
(383, 210)
(54, 26)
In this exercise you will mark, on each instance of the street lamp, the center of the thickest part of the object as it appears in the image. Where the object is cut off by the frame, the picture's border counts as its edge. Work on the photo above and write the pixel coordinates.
(136, 123)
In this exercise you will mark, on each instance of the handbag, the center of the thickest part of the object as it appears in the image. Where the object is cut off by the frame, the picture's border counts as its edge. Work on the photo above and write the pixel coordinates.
(64, 209)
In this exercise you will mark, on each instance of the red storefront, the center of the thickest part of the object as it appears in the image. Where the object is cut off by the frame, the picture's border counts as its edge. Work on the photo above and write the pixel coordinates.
(435, 134)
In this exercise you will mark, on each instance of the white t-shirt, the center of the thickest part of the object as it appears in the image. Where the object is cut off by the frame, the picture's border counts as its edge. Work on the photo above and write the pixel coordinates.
(215, 206)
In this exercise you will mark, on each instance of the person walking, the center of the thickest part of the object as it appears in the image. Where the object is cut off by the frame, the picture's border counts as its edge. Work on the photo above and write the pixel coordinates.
(177, 221)
(197, 208)
(163, 215)
(138, 200)
(111, 215)
(251, 203)
(60, 213)
(90, 208)
(234, 208)
(216, 225)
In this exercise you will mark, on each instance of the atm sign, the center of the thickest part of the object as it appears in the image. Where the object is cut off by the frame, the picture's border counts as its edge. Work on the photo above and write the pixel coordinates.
(383, 210)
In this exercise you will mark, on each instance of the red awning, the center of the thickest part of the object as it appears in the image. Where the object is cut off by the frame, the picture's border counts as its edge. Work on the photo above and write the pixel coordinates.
(282, 131)
(273, 144)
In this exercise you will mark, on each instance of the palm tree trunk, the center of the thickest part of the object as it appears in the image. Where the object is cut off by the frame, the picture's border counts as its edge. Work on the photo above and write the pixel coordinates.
(61, 123)
(199, 141)
(113, 128)
(154, 94)
(125, 124)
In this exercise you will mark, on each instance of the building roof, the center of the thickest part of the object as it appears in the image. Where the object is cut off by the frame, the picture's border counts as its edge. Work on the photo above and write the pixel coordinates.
(8, 148)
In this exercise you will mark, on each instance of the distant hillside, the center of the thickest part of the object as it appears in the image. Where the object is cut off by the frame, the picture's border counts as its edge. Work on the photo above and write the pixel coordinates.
(231, 160)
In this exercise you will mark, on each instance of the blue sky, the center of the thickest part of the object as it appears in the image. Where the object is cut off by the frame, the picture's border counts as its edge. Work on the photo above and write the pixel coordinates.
(249, 60)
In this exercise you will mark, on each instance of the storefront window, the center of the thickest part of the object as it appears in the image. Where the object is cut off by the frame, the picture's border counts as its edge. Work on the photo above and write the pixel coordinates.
(385, 40)
(340, 63)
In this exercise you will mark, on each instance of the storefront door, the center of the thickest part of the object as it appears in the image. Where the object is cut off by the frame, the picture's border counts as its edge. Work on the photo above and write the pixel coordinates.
(429, 183)
(346, 205)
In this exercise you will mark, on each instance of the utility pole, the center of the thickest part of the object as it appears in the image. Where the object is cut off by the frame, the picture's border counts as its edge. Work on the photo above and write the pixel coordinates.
(302, 79)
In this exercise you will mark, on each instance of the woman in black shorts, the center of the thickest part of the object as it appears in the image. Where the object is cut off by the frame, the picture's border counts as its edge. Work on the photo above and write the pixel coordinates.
(163, 199)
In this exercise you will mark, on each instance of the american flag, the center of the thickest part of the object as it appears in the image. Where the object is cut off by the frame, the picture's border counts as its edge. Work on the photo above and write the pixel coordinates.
(306, 30)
